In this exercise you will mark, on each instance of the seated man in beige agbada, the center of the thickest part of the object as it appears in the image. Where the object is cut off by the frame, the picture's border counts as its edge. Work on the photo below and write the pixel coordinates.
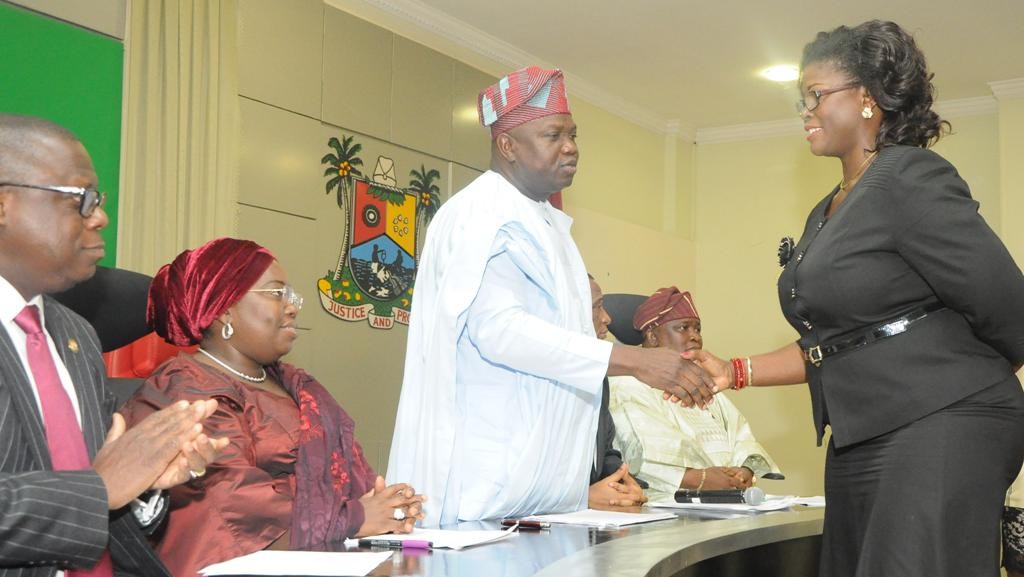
(670, 446)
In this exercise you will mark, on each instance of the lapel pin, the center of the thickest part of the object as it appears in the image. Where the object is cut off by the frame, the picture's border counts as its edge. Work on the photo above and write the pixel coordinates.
(73, 345)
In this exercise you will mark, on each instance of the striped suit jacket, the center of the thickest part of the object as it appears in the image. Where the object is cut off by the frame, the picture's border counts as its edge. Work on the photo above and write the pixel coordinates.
(55, 520)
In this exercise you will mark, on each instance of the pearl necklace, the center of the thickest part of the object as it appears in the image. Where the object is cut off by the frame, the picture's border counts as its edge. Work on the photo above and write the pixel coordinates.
(249, 378)
(860, 170)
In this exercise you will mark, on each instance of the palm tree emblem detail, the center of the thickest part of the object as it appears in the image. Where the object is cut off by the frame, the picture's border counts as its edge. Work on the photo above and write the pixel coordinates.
(341, 166)
(429, 199)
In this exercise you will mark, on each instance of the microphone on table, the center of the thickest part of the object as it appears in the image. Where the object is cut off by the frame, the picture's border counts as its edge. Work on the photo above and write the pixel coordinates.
(749, 496)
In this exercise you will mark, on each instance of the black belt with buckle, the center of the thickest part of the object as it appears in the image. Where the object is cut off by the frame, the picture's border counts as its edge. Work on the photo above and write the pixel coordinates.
(878, 332)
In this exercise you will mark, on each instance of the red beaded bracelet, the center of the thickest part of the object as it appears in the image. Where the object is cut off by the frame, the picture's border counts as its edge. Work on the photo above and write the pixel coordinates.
(739, 374)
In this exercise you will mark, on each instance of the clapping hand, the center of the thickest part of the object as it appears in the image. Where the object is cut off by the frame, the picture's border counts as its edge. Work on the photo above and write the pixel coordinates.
(157, 453)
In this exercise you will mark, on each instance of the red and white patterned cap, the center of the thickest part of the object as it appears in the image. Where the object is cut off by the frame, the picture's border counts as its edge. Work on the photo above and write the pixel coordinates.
(522, 96)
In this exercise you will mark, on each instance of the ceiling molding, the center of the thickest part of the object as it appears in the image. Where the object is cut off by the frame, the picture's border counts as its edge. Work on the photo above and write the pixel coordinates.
(1007, 89)
(473, 39)
(966, 107)
(755, 131)
(759, 130)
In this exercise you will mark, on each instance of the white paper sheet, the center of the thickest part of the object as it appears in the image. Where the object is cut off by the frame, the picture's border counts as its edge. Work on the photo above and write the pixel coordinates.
(597, 518)
(299, 563)
(770, 503)
(443, 538)
(817, 501)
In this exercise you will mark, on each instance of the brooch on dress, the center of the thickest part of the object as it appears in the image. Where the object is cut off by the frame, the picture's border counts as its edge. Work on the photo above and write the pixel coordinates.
(786, 249)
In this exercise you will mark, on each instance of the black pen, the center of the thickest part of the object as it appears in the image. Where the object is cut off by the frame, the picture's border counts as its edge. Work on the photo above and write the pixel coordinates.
(396, 544)
(523, 524)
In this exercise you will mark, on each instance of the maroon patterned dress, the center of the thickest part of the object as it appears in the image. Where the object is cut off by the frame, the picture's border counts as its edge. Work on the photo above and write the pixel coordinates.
(293, 463)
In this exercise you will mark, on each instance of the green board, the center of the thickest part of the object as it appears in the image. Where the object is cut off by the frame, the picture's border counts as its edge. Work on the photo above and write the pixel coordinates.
(73, 77)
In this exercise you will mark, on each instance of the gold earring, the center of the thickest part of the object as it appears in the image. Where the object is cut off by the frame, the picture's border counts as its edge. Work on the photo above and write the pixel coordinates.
(867, 112)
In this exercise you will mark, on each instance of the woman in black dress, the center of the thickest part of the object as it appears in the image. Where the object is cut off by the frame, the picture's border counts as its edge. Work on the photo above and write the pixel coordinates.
(911, 319)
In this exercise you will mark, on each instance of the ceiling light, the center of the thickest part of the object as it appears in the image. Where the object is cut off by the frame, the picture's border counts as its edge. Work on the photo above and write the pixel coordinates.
(468, 114)
(781, 73)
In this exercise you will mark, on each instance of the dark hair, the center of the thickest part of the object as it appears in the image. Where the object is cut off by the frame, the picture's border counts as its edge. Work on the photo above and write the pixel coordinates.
(884, 58)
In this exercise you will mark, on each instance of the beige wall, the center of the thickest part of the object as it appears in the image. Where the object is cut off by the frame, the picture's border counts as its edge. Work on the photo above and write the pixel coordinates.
(749, 195)
(308, 72)
(1011, 173)
(105, 16)
(618, 199)
(650, 210)
(973, 147)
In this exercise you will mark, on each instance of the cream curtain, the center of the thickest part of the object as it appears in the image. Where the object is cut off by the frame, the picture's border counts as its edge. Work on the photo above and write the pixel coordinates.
(179, 165)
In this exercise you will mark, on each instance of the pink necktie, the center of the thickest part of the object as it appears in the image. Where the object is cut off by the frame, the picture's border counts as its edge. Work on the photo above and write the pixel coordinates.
(63, 435)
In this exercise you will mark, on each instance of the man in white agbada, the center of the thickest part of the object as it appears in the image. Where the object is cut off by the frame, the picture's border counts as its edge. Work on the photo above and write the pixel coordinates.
(672, 447)
(503, 373)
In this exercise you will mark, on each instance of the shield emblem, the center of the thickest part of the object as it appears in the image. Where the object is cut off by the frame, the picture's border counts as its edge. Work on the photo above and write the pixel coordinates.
(383, 228)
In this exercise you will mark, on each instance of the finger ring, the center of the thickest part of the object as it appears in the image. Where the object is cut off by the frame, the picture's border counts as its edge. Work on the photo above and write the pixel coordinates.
(399, 514)
(193, 475)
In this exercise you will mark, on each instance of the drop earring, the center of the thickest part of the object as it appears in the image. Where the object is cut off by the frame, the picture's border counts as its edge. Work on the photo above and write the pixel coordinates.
(226, 330)
(867, 112)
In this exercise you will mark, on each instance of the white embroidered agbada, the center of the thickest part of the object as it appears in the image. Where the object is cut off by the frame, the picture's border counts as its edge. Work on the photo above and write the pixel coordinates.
(660, 440)
(499, 403)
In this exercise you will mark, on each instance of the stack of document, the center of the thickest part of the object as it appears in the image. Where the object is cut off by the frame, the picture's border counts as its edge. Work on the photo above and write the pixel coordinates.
(597, 518)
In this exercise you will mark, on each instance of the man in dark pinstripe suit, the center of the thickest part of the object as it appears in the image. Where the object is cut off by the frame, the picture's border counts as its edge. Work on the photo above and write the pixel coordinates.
(50, 521)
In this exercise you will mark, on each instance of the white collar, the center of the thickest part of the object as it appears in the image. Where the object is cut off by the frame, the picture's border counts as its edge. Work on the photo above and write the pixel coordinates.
(12, 303)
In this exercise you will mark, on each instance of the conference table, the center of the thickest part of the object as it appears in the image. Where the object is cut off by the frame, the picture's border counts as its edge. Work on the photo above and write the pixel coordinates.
(693, 544)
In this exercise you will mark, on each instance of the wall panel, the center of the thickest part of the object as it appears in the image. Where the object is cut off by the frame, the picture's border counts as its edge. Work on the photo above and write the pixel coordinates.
(280, 53)
(358, 58)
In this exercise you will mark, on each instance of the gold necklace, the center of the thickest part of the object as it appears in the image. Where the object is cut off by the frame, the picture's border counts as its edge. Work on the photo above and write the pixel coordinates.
(860, 170)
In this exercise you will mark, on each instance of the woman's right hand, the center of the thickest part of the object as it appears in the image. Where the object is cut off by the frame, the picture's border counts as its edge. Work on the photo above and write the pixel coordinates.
(380, 504)
(719, 370)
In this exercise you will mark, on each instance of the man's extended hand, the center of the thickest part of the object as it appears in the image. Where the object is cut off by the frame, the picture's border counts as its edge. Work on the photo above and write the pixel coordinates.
(666, 370)
(619, 489)
(156, 453)
(718, 370)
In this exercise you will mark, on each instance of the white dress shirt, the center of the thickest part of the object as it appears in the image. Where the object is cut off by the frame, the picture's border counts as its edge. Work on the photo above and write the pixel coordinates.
(11, 304)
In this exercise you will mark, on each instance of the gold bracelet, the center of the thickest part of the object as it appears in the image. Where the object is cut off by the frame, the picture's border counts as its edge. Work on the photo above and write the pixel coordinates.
(750, 373)
(703, 477)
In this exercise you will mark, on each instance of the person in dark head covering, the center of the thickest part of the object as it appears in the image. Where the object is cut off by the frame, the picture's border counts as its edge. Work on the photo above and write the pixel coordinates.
(668, 318)
(674, 447)
(293, 476)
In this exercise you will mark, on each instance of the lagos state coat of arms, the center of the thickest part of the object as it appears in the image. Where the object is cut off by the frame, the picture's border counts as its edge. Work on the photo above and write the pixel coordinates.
(384, 227)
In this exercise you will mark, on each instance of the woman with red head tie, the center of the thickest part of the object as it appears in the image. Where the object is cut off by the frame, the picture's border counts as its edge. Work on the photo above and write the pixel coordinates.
(293, 475)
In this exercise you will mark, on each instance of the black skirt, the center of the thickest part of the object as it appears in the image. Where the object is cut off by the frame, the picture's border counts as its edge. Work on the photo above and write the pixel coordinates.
(927, 498)
(1013, 539)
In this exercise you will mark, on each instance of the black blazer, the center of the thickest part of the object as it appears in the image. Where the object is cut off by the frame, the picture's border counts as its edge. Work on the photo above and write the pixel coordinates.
(908, 234)
(51, 520)
(608, 459)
